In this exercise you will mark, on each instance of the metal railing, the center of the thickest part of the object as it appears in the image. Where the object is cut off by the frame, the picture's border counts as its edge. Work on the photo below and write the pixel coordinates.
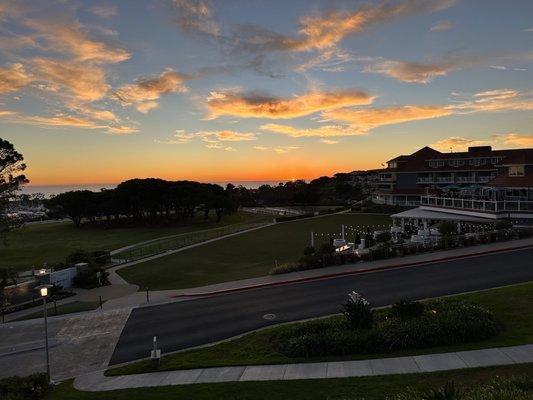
(182, 240)
(478, 204)
(456, 179)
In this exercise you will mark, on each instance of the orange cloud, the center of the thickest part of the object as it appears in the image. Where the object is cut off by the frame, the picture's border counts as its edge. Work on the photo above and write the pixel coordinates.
(84, 82)
(319, 32)
(517, 139)
(408, 71)
(322, 131)
(146, 90)
(456, 143)
(494, 101)
(71, 38)
(260, 106)
(13, 78)
(364, 120)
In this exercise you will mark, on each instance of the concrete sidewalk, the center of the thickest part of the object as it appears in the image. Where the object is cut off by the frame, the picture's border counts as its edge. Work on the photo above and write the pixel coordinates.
(96, 381)
(165, 296)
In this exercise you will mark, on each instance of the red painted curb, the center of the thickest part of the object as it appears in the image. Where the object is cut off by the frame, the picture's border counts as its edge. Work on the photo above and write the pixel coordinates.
(349, 273)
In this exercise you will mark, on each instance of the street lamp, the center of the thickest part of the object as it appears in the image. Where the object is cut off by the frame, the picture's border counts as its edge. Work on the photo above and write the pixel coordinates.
(43, 290)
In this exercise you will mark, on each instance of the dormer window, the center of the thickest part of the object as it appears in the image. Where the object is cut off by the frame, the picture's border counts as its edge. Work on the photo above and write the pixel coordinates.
(393, 164)
(516, 170)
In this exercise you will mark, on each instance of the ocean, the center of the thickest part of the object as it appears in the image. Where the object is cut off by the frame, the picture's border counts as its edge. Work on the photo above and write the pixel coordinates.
(51, 190)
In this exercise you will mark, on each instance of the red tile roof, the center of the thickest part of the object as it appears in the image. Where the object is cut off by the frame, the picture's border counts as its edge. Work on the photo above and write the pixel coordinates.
(417, 162)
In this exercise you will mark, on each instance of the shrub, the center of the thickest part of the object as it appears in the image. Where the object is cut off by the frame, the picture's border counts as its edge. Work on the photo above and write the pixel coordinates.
(503, 224)
(405, 309)
(326, 249)
(286, 268)
(32, 387)
(500, 388)
(358, 312)
(383, 237)
(447, 228)
(444, 323)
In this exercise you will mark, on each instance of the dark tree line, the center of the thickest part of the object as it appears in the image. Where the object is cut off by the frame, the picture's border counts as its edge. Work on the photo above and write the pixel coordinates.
(143, 200)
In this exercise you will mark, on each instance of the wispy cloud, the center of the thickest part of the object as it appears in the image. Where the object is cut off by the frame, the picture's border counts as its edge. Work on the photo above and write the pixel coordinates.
(84, 82)
(516, 139)
(321, 131)
(212, 139)
(13, 78)
(441, 26)
(456, 143)
(145, 91)
(364, 120)
(71, 37)
(196, 17)
(328, 141)
(104, 10)
(256, 105)
(494, 101)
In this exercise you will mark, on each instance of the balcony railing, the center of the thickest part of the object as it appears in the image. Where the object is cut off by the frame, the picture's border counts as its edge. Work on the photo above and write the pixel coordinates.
(478, 204)
(457, 179)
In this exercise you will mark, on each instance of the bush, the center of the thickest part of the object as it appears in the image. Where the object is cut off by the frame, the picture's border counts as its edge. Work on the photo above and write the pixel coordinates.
(358, 312)
(32, 387)
(405, 309)
(286, 268)
(383, 237)
(503, 224)
(441, 323)
(447, 228)
(500, 388)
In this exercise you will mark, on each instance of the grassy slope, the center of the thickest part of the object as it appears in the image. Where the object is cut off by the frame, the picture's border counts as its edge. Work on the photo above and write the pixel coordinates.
(244, 256)
(74, 307)
(33, 245)
(513, 306)
(368, 388)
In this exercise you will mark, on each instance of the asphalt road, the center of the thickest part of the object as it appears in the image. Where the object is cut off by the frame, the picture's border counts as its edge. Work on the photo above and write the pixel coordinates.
(206, 320)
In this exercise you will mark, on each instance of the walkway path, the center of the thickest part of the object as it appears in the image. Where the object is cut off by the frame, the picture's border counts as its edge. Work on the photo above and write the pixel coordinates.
(96, 381)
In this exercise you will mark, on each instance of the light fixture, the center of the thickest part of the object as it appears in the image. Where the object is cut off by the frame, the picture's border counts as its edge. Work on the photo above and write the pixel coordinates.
(44, 291)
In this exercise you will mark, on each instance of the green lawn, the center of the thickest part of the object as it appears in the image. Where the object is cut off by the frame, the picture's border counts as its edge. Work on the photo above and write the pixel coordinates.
(33, 245)
(74, 307)
(513, 306)
(248, 255)
(367, 388)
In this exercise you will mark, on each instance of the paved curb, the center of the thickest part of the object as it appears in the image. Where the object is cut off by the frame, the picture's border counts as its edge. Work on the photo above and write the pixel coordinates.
(349, 273)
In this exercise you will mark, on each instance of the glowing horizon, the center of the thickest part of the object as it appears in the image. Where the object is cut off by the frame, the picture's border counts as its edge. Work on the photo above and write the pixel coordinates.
(108, 90)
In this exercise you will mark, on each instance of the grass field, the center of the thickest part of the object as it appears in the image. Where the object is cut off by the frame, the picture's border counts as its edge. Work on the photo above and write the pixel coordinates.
(32, 245)
(513, 307)
(74, 307)
(365, 388)
(248, 255)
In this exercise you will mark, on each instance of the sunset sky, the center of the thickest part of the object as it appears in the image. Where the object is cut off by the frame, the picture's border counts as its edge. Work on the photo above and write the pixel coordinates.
(229, 90)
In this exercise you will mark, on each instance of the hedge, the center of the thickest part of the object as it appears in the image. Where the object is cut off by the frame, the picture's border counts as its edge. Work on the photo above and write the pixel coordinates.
(441, 323)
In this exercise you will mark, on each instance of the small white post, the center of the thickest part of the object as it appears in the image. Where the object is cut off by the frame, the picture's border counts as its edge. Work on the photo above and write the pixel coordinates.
(312, 239)
(342, 227)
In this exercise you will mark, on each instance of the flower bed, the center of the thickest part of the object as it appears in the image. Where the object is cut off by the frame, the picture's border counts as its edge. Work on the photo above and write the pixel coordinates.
(436, 323)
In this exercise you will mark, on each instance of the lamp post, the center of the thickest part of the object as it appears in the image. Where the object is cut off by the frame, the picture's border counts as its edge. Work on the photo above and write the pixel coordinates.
(43, 290)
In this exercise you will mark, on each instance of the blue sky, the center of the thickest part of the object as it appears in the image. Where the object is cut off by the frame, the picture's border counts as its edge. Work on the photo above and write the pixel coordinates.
(102, 91)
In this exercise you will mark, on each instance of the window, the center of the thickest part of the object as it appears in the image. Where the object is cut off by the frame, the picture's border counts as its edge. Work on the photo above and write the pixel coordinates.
(393, 164)
(516, 170)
